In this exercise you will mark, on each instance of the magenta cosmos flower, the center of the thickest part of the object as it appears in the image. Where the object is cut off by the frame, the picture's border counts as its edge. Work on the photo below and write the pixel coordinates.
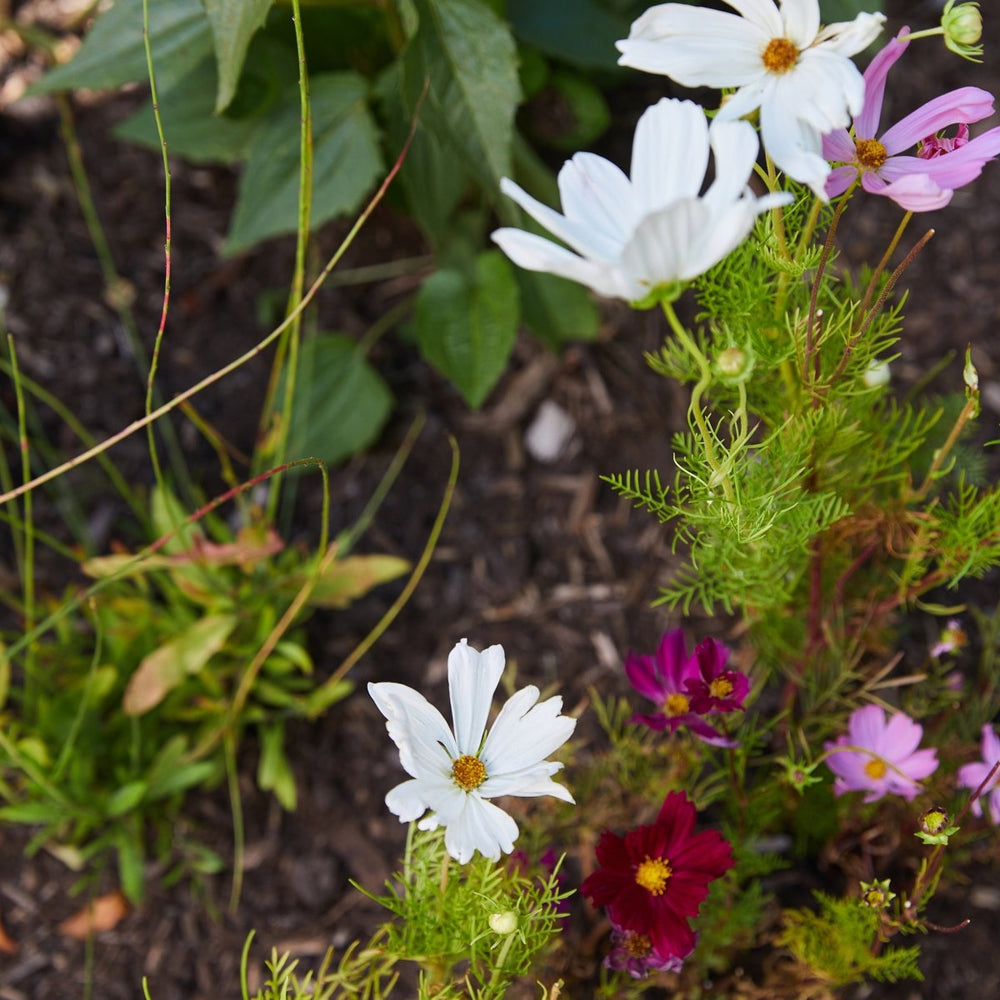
(880, 755)
(973, 775)
(655, 878)
(685, 688)
(634, 953)
(921, 182)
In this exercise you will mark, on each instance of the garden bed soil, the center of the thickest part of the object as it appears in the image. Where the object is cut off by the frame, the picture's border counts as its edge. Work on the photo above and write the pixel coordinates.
(540, 557)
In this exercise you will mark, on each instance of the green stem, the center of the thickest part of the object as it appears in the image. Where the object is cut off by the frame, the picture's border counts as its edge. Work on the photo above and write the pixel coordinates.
(695, 411)
(220, 373)
(291, 340)
(157, 344)
(890, 250)
(31, 684)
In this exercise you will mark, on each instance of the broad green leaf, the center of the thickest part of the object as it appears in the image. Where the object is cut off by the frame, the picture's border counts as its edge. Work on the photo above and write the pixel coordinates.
(126, 798)
(233, 25)
(350, 578)
(467, 330)
(468, 58)
(190, 124)
(346, 161)
(167, 775)
(113, 52)
(581, 32)
(163, 669)
(34, 812)
(273, 771)
(847, 10)
(340, 401)
(556, 310)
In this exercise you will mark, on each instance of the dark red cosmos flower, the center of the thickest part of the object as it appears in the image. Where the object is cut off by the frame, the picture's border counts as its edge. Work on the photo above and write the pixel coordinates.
(654, 879)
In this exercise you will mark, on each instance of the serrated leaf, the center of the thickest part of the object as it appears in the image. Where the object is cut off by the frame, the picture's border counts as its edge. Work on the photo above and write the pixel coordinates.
(113, 52)
(579, 31)
(346, 160)
(467, 330)
(191, 127)
(163, 669)
(233, 25)
(340, 403)
(348, 579)
(468, 58)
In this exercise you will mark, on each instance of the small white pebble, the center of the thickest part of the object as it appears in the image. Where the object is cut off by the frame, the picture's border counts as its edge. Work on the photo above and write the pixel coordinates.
(550, 432)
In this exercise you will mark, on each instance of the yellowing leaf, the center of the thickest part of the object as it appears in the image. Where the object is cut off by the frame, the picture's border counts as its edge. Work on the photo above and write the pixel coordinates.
(351, 578)
(103, 914)
(163, 669)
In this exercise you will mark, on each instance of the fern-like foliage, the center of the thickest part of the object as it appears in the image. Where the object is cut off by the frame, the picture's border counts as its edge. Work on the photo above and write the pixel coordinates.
(839, 943)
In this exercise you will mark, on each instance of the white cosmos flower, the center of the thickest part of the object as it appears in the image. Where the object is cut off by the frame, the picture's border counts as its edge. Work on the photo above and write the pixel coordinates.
(777, 58)
(454, 774)
(635, 235)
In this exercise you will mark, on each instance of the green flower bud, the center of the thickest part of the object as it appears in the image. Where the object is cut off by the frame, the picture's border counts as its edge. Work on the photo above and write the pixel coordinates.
(734, 365)
(876, 895)
(935, 827)
(504, 922)
(963, 27)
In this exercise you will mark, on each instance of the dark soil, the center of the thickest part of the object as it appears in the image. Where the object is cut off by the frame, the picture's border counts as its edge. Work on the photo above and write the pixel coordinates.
(539, 557)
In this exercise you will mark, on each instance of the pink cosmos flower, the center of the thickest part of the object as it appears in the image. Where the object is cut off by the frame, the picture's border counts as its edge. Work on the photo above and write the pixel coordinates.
(880, 755)
(927, 180)
(674, 680)
(972, 775)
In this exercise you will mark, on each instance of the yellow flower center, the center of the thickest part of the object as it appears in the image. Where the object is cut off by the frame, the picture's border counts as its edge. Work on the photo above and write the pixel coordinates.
(875, 769)
(720, 688)
(871, 153)
(637, 945)
(676, 704)
(469, 772)
(653, 874)
(780, 55)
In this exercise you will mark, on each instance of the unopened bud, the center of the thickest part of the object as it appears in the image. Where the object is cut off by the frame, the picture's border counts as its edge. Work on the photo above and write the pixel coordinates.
(963, 28)
(504, 922)
(876, 374)
(877, 895)
(935, 827)
(734, 364)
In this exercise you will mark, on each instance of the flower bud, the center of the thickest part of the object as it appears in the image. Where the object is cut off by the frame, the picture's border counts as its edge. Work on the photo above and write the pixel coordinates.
(876, 895)
(935, 827)
(876, 374)
(734, 365)
(963, 27)
(504, 922)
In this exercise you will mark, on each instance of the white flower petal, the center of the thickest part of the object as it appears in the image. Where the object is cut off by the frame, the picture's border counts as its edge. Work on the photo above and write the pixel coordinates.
(659, 247)
(425, 741)
(795, 148)
(407, 800)
(664, 169)
(481, 826)
(578, 235)
(800, 20)
(824, 90)
(745, 101)
(529, 783)
(735, 147)
(695, 47)
(523, 735)
(762, 13)
(535, 253)
(597, 195)
(472, 679)
(847, 38)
